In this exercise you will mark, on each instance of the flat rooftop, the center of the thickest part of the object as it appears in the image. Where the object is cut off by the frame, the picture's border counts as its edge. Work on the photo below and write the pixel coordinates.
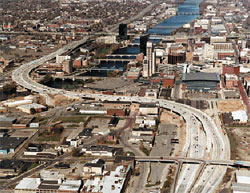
(201, 76)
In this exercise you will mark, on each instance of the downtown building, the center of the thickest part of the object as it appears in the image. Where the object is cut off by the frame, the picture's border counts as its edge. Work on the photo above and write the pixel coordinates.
(149, 65)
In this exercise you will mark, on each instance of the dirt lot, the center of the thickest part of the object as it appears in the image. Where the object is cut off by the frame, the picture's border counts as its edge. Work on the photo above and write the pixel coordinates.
(240, 142)
(170, 118)
(98, 122)
(230, 105)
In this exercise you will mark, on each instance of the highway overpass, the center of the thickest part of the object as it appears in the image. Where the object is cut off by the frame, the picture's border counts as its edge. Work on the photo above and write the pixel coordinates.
(217, 145)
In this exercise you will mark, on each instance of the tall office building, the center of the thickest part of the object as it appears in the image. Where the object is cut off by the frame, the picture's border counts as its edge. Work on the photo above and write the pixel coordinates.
(145, 67)
(67, 66)
(143, 43)
(123, 31)
(149, 61)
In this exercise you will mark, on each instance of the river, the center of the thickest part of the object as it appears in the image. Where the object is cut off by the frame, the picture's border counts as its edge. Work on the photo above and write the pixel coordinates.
(188, 7)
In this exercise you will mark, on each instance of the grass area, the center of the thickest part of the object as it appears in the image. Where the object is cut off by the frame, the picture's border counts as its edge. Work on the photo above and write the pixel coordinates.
(72, 119)
(43, 122)
(51, 137)
(102, 52)
(40, 119)
(2, 182)
(33, 165)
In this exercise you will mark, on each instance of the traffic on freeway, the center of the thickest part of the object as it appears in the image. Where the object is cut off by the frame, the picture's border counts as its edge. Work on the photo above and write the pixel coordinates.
(204, 140)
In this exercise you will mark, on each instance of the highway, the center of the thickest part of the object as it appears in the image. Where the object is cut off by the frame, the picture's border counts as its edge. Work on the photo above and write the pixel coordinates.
(217, 145)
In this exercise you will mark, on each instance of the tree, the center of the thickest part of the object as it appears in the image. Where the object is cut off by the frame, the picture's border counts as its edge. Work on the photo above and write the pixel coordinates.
(33, 111)
(47, 79)
(76, 152)
(57, 129)
(9, 89)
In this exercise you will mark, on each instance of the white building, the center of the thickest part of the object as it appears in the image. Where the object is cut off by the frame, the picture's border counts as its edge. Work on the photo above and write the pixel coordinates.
(242, 184)
(34, 185)
(28, 108)
(95, 167)
(111, 182)
(151, 93)
(142, 131)
(147, 109)
(60, 59)
(99, 151)
(146, 120)
(106, 39)
(240, 116)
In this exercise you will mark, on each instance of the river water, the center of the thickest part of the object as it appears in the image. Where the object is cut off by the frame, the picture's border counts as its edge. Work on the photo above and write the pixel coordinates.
(189, 6)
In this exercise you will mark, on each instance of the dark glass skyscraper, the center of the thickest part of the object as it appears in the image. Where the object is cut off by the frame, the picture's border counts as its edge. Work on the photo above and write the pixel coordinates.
(143, 43)
(123, 31)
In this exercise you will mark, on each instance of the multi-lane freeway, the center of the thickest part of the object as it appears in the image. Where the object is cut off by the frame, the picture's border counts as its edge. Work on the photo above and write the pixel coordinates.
(204, 140)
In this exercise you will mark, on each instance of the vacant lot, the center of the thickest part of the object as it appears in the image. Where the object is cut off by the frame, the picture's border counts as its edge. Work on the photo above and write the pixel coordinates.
(230, 105)
(98, 122)
(23, 133)
(240, 142)
(72, 119)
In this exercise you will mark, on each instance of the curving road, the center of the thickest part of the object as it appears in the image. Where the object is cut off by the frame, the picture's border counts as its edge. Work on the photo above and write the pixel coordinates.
(217, 145)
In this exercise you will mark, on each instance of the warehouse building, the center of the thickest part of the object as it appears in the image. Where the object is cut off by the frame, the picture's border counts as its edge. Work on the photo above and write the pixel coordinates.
(30, 108)
(201, 81)
(6, 121)
(10, 144)
(242, 184)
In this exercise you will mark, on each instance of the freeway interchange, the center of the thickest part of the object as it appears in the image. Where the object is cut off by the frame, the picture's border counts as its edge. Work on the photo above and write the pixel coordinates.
(204, 140)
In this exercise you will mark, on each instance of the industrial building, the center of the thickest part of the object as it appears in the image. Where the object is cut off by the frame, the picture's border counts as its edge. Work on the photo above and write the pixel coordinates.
(111, 182)
(6, 122)
(148, 109)
(95, 167)
(10, 144)
(30, 107)
(201, 81)
(99, 151)
(34, 185)
(242, 184)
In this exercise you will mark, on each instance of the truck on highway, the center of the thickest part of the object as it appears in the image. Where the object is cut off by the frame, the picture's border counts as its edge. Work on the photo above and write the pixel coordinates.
(238, 162)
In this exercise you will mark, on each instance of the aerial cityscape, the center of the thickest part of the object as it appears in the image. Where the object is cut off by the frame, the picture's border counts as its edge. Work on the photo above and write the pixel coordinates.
(124, 96)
